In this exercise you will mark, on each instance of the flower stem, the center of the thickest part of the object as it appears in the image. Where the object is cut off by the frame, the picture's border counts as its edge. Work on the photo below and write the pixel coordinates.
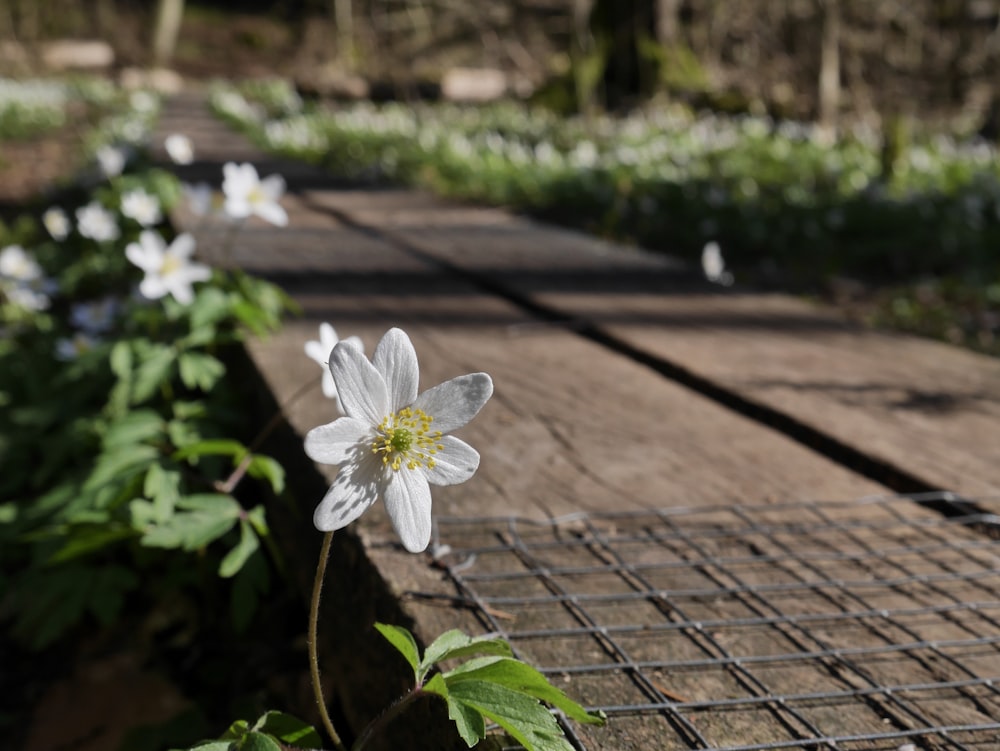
(383, 719)
(324, 554)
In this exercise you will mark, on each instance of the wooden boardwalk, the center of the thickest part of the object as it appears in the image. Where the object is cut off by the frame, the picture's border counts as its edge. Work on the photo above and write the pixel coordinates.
(675, 509)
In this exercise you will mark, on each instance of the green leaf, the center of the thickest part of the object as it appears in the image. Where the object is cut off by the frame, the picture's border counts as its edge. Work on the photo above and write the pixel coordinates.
(200, 370)
(454, 643)
(236, 557)
(209, 306)
(522, 678)
(121, 360)
(403, 641)
(212, 447)
(87, 538)
(162, 487)
(120, 464)
(520, 715)
(288, 729)
(254, 741)
(155, 369)
(266, 468)
(470, 723)
(137, 426)
(199, 520)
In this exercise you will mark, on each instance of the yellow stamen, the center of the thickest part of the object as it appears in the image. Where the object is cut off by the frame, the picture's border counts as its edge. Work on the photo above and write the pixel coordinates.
(406, 439)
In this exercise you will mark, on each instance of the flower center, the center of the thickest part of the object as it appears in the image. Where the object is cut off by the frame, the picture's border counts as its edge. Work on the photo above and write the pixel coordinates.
(171, 265)
(406, 439)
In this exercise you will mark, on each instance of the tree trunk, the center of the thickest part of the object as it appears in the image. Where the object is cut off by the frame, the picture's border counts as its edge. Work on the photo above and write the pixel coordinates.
(667, 22)
(829, 70)
(168, 24)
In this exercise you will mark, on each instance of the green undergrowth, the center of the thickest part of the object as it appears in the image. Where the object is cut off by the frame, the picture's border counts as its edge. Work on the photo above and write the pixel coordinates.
(894, 216)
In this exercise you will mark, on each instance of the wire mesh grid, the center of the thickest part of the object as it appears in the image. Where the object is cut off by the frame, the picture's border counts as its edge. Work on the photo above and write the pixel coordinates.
(868, 624)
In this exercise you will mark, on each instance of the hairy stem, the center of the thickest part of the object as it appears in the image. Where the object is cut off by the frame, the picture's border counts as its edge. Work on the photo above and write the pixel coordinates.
(324, 554)
(386, 717)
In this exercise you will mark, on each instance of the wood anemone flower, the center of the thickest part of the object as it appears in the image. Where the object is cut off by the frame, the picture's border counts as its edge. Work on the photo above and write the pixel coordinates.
(246, 194)
(169, 269)
(393, 444)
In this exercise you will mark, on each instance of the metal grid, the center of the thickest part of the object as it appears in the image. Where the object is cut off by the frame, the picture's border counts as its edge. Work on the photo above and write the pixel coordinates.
(869, 624)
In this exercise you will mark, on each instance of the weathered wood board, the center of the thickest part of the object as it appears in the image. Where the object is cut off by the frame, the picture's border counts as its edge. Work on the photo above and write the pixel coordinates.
(927, 409)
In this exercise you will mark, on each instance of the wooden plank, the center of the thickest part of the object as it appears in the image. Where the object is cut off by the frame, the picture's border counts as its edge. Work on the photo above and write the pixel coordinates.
(925, 408)
(573, 427)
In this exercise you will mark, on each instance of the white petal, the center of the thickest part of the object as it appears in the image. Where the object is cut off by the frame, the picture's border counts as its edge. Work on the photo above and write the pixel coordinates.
(408, 502)
(396, 360)
(456, 463)
(328, 338)
(330, 388)
(273, 186)
(141, 257)
(361, 387)
(180, 288)
(338, 442)
(273, 213)
(355, 488)
(455, 402)
(183, 245)
(152, 287)
(319, 352)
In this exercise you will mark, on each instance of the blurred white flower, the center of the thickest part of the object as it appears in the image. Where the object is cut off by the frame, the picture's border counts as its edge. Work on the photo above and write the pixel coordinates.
(714, 266)
(22, 280)
(142, 206)
(17, 265)
(246, 194)
(393, 444)
(97, 223)
(169, 270)
(320, 351)
(56, 223)
(179, 148)
(111, 160)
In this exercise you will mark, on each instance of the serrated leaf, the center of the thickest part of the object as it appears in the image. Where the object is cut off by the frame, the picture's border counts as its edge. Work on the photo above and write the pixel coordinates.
(236, 557)
(469, 722)
(120, 464)
(455, 643)
(200, 519)
(289, 729)
(137, 426)
(404, 642)
(162, 487)
(520, 715)
(254, 741)
(522, 678)
(155, 369)
(199, 370)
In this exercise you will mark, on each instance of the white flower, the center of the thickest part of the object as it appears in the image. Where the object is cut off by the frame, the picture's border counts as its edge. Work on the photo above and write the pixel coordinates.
(393, 444)
(111, 160)
(17, 265)
(246, 194)
(179, 148)
(141, 206)
(169, 270)
(56, 223)
(321, 350)
(713, 265)
(97, 223)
